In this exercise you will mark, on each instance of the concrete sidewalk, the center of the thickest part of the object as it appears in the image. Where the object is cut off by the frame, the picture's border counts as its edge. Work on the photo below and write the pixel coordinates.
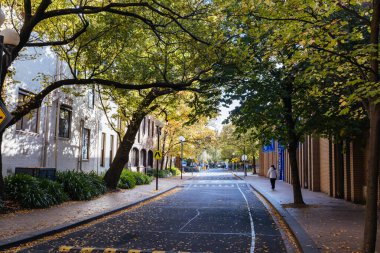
(26, 223)
(334, 225)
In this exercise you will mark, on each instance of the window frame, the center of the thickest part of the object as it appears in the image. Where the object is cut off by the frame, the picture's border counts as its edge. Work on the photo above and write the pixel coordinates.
(88, 135)
(103, 150)
(25, 124)
(69, 109)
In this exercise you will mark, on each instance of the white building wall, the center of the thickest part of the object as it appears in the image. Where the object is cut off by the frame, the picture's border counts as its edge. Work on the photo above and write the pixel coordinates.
(45, 148)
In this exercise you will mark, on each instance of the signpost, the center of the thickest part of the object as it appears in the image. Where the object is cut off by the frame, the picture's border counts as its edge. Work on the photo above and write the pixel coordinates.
(5, 116)
(157, 155)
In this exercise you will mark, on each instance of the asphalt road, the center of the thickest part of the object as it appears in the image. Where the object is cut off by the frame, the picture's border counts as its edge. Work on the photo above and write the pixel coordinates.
(213, 213)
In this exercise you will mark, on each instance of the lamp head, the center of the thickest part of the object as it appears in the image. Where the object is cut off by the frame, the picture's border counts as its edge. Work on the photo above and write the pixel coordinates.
(181, 138)
(11, 37)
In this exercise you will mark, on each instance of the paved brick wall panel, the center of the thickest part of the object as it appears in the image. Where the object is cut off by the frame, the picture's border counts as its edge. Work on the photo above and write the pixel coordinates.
(324, 165)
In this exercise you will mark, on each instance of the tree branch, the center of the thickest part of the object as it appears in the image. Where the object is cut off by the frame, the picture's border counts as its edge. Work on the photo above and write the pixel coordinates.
(62, 42)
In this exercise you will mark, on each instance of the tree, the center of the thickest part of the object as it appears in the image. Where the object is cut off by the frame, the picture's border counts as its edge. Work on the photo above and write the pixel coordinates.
(183, 121)
(62, 24)
(326, 30)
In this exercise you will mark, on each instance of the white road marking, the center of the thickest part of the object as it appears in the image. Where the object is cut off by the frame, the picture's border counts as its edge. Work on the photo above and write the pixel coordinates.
(187, 223)
(253, 236)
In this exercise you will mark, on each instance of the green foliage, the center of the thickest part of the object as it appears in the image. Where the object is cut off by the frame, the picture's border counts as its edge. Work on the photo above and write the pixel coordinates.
(142, 178)
(161, 173)
(127, 180)
(55, 190)
(32, 192)
(175, 171)
(81, 186)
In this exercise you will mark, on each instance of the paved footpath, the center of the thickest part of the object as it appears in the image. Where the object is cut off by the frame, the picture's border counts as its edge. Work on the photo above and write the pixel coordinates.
(25, 223)
(335, 225)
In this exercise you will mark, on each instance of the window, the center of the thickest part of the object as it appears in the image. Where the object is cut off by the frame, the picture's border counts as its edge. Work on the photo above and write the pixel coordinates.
(91, 98)
(64, 121)
(152, 128)
(148, 127)
(138, 136)
(103, 150)
(144, 126)
(111, 147)
(30, 121)
(86, 144)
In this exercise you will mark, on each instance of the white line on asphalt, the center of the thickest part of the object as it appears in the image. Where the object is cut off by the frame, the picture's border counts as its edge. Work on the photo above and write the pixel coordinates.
(253, 236)
(198, 213)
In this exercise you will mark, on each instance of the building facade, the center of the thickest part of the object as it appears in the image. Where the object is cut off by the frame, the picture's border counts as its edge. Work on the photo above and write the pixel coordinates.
(337, 169)
(69, 131)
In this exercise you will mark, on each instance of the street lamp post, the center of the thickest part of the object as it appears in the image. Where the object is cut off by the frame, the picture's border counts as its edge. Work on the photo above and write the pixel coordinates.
(8, 37)
(181, 139)
(158, 148)
(244, 160)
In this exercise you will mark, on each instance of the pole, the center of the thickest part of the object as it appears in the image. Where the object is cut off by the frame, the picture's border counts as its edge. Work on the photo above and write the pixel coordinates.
(181, 158)
(245, 158)
(1, 55)
(158, 148)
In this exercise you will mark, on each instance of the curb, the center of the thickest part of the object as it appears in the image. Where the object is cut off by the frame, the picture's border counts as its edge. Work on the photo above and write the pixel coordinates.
(22, 239)
(303, 240)
(71, 249)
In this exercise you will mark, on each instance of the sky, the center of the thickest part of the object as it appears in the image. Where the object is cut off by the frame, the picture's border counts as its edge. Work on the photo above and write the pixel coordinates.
(224, 112)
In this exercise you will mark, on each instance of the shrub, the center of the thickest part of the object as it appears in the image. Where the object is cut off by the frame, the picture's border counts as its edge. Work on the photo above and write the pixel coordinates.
(98, 183)
(32, 192)
(127, 180)
(161, 173)
(81, 186)
(175, 171)
(142, 178)
(55, 190)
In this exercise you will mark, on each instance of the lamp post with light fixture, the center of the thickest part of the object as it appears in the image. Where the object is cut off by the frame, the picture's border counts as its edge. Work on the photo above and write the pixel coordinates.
(181, 139)
(8, 38)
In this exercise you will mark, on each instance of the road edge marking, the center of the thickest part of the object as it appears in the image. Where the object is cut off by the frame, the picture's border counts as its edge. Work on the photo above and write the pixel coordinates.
(253, 234)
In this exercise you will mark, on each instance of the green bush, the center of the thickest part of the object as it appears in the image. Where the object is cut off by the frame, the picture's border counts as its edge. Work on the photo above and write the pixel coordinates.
(55, 190)
(127, 180)
(81, 186)
(142, 178)
(32, 192)
(161, 173)
(175, 171)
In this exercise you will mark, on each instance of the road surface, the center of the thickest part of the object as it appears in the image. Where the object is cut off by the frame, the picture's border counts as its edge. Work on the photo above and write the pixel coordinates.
(214, 212)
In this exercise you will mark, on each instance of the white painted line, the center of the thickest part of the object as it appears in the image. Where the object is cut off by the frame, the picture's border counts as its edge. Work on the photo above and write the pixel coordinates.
(187, 223)
(253, 236)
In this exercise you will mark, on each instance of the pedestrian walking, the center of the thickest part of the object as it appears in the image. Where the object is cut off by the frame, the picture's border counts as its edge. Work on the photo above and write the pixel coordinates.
(272, 174)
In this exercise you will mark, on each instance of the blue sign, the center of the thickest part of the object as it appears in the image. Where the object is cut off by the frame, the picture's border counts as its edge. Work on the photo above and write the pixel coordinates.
(281, 163)
(270, 147)
(184, 163)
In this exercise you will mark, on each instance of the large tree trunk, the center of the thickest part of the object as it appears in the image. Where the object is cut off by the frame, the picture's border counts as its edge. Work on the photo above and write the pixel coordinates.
(370, 227)
(297, 193)
(293, 140)
(112, 176)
